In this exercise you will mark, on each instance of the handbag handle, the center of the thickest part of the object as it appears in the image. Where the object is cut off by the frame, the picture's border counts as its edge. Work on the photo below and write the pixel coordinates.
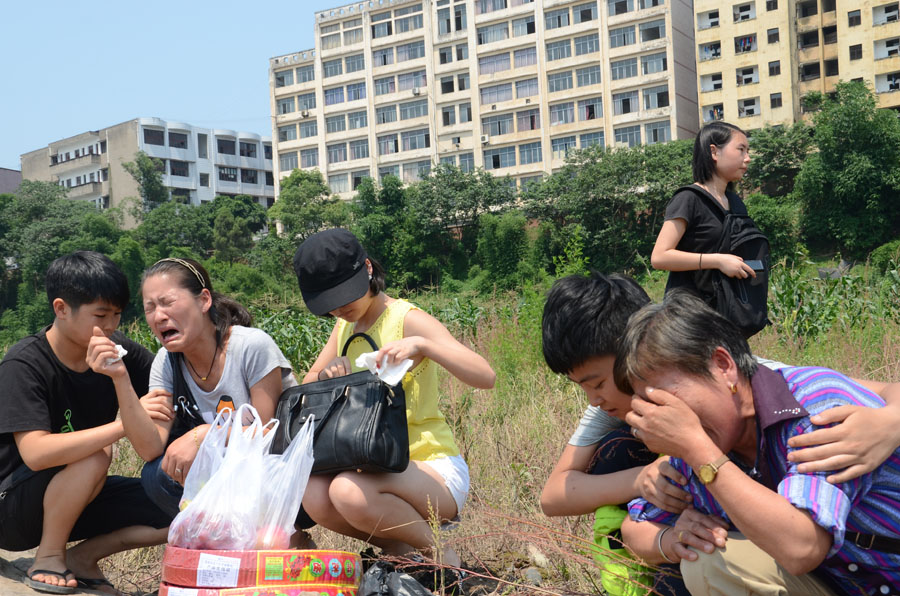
(354, 336)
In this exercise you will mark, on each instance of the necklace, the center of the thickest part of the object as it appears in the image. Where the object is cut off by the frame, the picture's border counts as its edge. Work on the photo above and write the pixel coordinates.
(211, 364)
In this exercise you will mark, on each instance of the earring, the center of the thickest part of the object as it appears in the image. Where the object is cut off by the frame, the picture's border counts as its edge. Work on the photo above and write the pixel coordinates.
(733, 388)
(370, 277)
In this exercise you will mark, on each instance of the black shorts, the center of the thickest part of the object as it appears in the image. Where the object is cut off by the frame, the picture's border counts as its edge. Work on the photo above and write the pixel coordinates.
(121, 503)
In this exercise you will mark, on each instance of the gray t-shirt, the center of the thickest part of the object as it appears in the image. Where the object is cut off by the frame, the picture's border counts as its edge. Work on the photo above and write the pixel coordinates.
(249, 356)
(596, 424)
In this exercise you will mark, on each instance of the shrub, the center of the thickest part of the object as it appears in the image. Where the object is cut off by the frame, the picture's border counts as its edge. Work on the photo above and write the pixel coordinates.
(886, 256)
(779, 220)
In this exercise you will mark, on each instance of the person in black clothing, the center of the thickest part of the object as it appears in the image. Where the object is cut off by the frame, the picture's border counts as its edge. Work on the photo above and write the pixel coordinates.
(61, 391)
(690, 234)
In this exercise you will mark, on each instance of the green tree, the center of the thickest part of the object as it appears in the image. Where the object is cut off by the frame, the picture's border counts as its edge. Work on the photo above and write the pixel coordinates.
(777, 152)
(147, 172)
(849, 187)
(231, 236)
(502, 247)
(305, 206)
(172, 226)
(779, 220)
(240, 206)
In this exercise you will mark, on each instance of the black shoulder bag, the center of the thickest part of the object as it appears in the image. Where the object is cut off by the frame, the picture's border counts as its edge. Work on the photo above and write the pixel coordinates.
(360, 421)
(187, 412)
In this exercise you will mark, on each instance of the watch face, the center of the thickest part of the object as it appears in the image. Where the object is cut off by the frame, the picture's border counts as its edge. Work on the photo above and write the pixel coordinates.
(707, 473)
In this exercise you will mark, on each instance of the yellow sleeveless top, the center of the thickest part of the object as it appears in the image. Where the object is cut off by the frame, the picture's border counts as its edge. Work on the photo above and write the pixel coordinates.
(430, 436)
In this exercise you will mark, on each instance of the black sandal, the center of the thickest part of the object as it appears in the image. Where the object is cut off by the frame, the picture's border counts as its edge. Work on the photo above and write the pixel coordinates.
(49, 588)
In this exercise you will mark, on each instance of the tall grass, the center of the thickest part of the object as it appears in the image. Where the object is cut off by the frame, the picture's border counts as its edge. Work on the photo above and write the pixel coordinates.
(512, 435)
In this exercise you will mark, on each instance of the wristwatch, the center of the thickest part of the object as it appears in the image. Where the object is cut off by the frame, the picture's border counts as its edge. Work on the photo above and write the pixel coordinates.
(707, 472)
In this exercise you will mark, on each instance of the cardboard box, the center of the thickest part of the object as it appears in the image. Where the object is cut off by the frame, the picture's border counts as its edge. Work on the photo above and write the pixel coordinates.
(237, 569)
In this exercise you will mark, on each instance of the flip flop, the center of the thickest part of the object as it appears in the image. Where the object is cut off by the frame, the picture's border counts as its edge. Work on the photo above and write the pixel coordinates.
(91, 583)
(49, 588)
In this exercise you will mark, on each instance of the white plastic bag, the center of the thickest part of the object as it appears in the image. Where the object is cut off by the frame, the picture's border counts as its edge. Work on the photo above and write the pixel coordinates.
(284, 483)
(209, 457)
(225, 512)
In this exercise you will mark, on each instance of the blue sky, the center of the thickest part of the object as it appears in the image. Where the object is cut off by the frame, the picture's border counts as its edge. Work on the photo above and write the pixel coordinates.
(70, 67)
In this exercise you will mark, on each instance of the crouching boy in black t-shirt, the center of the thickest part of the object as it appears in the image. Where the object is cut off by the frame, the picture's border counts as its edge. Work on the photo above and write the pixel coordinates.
(60, 390)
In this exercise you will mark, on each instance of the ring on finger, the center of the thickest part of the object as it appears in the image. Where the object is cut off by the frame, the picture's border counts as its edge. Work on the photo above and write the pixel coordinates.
(680, 535)
(634, 432)
(178, 470)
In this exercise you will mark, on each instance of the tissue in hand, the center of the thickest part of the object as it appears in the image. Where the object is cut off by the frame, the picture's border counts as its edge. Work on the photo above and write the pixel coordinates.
(389, 373)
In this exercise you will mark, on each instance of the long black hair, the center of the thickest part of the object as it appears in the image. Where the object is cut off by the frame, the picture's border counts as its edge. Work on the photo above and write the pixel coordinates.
(224, 311)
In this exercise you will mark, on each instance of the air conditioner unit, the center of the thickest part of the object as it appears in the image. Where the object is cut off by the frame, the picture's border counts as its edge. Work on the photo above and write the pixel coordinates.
(485, 139)
(416, 91)
(304, 113)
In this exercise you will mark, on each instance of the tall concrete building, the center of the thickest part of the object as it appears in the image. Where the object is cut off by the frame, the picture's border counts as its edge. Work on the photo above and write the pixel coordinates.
(394, 86)
(197, 163)
(756, 60)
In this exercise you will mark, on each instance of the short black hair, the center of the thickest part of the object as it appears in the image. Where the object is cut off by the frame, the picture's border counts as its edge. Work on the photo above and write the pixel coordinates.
(85, 276)
(585, 316)
(716, 133)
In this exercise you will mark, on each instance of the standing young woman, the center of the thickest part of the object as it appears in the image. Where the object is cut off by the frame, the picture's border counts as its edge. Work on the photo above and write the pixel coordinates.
(690, 235)
(391, 511)
(224, 362)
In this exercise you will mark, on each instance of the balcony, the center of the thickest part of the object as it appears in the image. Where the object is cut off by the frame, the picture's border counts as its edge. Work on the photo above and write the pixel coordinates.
(91, 190)
(81, 160)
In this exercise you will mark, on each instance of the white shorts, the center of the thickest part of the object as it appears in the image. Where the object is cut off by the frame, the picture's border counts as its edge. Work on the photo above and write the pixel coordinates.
(455, 473)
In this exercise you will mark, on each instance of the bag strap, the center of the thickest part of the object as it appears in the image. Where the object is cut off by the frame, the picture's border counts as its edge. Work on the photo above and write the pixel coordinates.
(185, 405)
(354, 336)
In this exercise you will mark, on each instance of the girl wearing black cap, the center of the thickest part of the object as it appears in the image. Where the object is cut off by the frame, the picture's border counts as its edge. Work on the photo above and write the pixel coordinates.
(388, 510)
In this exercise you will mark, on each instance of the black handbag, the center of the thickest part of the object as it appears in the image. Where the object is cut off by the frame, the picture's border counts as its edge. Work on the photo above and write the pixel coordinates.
(187, 412)
(360, 421)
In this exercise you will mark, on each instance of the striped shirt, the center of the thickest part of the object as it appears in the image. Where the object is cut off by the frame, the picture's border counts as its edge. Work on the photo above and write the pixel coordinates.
(870, 504)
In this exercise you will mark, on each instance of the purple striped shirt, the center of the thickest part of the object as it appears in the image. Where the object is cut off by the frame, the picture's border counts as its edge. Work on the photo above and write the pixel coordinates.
(869, 504)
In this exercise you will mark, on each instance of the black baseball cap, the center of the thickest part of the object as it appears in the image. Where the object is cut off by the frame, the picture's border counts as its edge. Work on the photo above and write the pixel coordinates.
(331, 271)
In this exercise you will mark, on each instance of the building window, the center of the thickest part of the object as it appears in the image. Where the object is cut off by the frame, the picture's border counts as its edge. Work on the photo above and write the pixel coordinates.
(560, 147)
(415, 139)
(459, 17)
(307, 101)
(523, 26)
(625, 103)
(267, 151)
(388, 144)
(383, 57)
(810, 71)
(590, 109)
(775, 100)
(771, 4)
(629, 135)
(854, 18)
(333, 96)
(309, 158)
(589, 75)
(355, 63)
(270, 181)
(587, 44)
(592, 138)
(467, 162)
(356, 91)
(654, 63)
(530, 153)
(651, 3)
(462, 52)
(385, 86)
(492, 33)
(408, 23)
(447, 85)
(449, 160)
(710, 51)
(658, 132)
(622, 69)
(465, 112)
(448, 115)
(773, 35)
(287, 133)
(284, 78)
(584, 12)
(338, 183)
(445, 55)
(745, 43)
(444, 22)
(831, 68)
(413, 109)
(562, 113)
(359, 149)
(388, 171)
(357, 120)
(504, 157)
(204, 180)
(411, 80)
(285, 105)
(225, 146)
(746, 76)
(623, 36)
(656, 97)
(497, 125)
(380, 30)
(525, 57)
(528, 120)
(357, 177)
(410, 51)
(306, 74)
(386, 114)
(336, 153)
(153, 137)
(177, 140)
(230, 174)
(493, 64)
(559, 81)
(249, 176)
(617, 7)
(309, 129)
(557, 50)
(554, 19)
(177, 168)
(526, 88)
(332, 68)
(496, 93)
(248, 149)
(653, 30)
(335, 123)
(856, 52)
(462, 81)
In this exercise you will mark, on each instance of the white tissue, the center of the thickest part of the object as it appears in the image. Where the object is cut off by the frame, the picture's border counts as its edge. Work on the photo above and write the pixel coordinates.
(120, 351)
(389, 373)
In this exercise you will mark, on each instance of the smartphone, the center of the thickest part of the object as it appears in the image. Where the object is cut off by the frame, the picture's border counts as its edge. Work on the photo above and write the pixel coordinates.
(755, 264)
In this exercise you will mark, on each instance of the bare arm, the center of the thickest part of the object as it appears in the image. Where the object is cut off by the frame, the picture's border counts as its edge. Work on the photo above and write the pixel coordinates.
(325, 362)
(265, 393)
(41, 449)
(426, 337)
(668, 258)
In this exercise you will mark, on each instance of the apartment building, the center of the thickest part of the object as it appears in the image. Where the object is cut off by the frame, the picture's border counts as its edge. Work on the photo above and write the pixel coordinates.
(395, 86)
(756, 60)
(196, 163)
